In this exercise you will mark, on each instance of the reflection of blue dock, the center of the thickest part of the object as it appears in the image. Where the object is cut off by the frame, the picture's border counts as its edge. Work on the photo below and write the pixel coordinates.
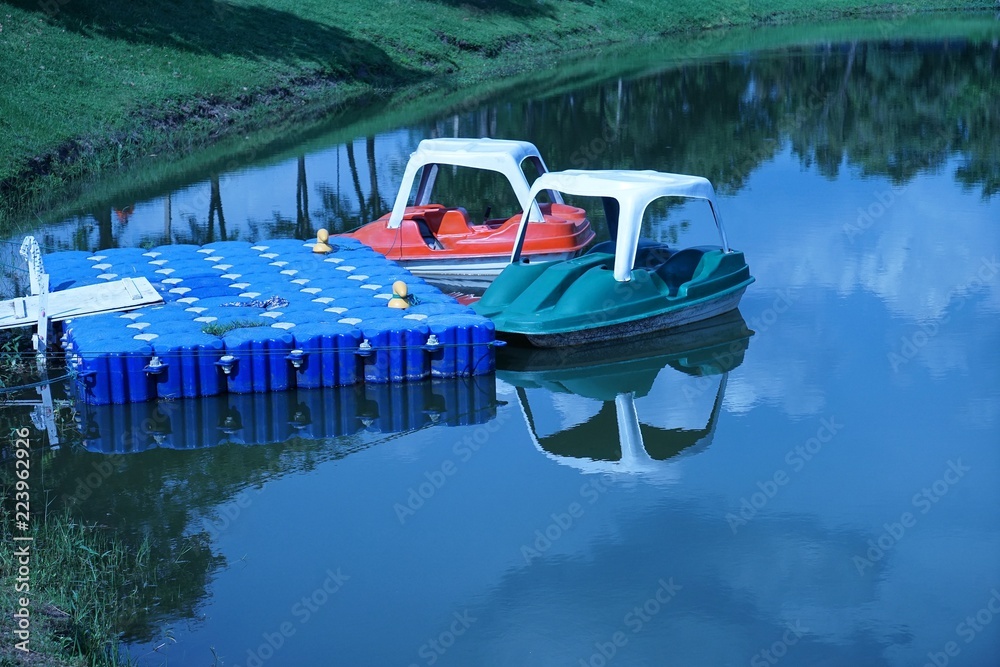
(241, 319)
(258, 419)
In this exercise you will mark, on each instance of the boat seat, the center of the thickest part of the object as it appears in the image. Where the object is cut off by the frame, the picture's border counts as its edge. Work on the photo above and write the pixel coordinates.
(454, 222)
(680, 267)
(650, 255)
(427, 235)
(604, 247)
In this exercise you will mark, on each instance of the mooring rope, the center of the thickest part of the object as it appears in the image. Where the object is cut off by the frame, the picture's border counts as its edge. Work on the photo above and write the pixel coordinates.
(32, 385)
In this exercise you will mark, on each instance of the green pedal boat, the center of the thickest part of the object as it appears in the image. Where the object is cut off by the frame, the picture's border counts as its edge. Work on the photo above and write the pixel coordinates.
(622, 287)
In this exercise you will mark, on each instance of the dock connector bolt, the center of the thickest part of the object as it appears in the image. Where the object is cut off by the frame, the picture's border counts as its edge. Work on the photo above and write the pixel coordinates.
(432, 343)
(299, 421)
(226, 363)
(155, 366)
(297, 357)
(365, 349)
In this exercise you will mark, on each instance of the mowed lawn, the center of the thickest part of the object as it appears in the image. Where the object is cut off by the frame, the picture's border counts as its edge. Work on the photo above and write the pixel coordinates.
(89, 86)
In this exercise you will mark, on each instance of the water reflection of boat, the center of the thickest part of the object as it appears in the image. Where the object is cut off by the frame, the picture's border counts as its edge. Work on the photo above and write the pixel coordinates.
(443, 243)
(661, 395)
(257, 419)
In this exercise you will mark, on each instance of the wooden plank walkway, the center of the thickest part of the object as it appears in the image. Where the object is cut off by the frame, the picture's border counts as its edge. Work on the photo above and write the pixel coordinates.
(117, 295)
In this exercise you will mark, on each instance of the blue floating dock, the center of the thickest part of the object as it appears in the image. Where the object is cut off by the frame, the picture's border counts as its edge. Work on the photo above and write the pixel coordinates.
(242, 318)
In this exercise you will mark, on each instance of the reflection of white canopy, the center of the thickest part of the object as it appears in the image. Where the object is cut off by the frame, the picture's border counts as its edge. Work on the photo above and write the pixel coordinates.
(634, 191)
(676, 403)
(560, 411)
(502, 155)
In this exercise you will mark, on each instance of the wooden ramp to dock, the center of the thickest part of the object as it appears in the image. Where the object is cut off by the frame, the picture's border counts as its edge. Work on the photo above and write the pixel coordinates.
(124, 294)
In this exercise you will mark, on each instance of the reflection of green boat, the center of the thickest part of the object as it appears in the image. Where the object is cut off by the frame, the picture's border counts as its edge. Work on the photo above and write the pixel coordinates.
(662, 396)
(623, 287)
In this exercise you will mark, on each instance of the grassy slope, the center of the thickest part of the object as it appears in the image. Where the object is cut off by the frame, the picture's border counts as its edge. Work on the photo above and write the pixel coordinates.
(82, 588)
(93, 86)
(434, 98)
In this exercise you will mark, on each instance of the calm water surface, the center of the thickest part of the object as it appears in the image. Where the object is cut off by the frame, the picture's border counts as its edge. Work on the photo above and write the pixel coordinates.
(822, 492)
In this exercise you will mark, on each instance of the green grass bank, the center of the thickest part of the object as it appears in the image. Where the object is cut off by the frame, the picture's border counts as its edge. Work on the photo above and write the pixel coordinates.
(81, 590)
(92, 88)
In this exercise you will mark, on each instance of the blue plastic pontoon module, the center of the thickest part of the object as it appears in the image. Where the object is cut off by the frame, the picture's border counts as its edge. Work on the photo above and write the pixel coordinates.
(244, 319)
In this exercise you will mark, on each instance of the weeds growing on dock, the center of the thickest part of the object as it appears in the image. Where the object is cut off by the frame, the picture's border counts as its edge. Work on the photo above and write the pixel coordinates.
(222, 328)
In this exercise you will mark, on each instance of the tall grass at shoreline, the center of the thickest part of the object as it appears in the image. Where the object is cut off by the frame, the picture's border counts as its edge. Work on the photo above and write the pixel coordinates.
(83, 586)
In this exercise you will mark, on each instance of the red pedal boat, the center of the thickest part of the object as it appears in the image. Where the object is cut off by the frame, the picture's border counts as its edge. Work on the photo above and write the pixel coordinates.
(442, 243)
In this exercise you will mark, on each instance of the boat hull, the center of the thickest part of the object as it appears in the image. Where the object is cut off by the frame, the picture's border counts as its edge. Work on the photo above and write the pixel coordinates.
(579, 300)
(670, 320)
(706, 345)
(469, 272)
(441, 244)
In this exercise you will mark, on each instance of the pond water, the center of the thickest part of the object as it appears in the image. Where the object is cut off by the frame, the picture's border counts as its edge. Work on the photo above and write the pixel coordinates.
(821, 492)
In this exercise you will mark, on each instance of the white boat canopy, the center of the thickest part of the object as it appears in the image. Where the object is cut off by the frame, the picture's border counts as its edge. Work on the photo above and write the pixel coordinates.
(633, 191)
(502, 155)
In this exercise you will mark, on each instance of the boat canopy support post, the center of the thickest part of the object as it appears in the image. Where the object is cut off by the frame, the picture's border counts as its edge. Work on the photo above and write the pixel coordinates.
(718, 225)
(522, 227)
(634, 454)
(427, 178)
(502, 156)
